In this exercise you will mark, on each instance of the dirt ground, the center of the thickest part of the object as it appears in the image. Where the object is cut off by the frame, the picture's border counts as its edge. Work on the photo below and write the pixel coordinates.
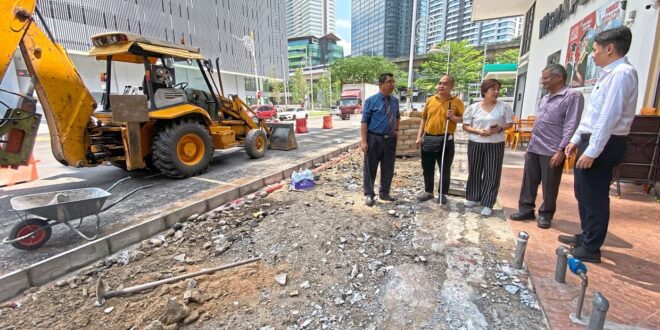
(346, 266)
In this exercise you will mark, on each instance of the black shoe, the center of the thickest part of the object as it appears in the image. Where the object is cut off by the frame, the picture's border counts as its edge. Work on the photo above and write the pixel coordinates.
(519, 216)
(369, 201)
(543, 222)
(425, 197)
(569, 239)
(386, 197)
(585, 255)
(443, 199)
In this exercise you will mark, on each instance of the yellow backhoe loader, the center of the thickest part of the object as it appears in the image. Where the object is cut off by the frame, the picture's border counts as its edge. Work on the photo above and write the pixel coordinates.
(173, 126)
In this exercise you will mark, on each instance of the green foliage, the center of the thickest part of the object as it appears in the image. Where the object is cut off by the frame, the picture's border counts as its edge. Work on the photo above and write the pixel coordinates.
(465, 63)
(323, 92)
(362, 69)
(508, 56)
(276, 86)
(298, 87)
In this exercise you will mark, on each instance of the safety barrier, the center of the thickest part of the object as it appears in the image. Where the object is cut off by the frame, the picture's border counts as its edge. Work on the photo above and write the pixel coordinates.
(327, 122)
(301, 126)
(11, 176)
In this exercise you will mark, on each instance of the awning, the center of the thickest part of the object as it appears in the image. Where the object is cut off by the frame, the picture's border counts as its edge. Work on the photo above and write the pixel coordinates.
(501, 71)
(489, 9)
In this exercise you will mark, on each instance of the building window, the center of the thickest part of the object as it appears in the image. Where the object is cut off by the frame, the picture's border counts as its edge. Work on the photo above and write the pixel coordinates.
(527, 38)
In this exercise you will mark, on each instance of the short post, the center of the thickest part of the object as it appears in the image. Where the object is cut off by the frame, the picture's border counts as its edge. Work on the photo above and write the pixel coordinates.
(521, 245)
(583, 292)
(599, 308)
(562, 262)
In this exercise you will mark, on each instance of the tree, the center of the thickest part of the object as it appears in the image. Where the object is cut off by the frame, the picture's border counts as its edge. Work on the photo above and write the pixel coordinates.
(323, 91)
(361, 69)
(508, 56)
(298, 87)
(465, 63)
(276, 86)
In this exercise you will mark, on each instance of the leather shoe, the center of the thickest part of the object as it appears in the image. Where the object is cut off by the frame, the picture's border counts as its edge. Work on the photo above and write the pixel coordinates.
(585, 255)
(369, 201)
(443, 199)
(386, 197)
(569, 239)
(543, 222)
(425, 197)
(519, 216)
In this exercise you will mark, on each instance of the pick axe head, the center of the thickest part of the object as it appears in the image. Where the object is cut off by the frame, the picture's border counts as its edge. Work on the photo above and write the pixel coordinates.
(100, 292)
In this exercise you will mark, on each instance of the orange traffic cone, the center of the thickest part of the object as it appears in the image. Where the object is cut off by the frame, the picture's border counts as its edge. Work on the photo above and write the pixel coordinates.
(11, 176)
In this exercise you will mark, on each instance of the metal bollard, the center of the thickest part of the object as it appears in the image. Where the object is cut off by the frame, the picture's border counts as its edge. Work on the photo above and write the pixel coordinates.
(583, 292)
(562, 261)
(521, 245)
(599, 308)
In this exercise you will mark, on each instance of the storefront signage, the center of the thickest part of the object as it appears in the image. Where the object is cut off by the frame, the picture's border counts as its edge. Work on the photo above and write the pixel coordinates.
(552, 19)
(581, 69)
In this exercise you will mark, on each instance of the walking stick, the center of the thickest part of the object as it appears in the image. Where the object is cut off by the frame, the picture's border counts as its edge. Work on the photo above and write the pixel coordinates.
(442, 159)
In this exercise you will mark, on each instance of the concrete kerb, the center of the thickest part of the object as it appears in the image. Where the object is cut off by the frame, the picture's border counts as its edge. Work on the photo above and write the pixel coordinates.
(13, 284)
(56, 266)
(52, 268)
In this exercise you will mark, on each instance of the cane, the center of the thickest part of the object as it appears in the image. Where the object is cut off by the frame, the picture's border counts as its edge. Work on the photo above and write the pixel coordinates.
(442, 159)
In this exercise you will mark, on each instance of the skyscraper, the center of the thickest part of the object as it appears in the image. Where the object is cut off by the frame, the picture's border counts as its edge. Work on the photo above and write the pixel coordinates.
(381, 27)
(310, 18)
(452, 20)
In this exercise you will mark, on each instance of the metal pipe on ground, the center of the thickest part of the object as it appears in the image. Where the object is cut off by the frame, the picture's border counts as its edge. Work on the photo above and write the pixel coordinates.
(521, 245)
(562, 262)
(102, 295)
(583, 292)
(599, 308)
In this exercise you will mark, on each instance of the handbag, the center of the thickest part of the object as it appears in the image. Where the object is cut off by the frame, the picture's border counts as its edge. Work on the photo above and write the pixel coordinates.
(433, 143)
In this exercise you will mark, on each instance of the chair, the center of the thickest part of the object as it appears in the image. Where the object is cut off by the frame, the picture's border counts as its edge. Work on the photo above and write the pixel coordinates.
(648, 111)
(509, 135)
(523, 132)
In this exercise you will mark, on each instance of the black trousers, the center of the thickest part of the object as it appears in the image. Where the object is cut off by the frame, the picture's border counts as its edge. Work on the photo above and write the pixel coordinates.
(485, 171)
(592, 190)
(538, 171)
(429, 159)
(381, 151)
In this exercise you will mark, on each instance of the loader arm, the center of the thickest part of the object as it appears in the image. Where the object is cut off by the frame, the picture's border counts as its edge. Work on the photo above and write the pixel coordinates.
(67, 103)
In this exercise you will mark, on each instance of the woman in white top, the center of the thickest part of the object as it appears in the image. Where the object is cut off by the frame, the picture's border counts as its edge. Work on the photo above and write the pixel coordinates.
(485, 122)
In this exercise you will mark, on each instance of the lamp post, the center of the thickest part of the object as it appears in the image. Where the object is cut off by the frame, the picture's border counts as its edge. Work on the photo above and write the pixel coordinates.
(285, 74)
(308, 59)
(413, 28)
(248, 42)
(483, 66)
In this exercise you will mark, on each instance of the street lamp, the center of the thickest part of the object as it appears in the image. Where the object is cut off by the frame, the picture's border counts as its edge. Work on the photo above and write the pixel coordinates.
(308, 59)
(248, 42)
(446, 48)
(413, 28)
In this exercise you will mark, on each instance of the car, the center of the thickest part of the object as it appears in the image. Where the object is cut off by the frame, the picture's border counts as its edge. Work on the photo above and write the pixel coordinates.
(334, 110)
(293, 113)
(265, 111)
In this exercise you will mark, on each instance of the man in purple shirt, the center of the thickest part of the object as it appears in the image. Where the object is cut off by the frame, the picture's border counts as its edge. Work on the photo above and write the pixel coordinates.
(556, 120)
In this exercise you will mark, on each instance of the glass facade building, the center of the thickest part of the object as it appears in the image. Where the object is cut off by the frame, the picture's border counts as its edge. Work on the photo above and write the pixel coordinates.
(381, 27)
(310, 18)
(322, 51)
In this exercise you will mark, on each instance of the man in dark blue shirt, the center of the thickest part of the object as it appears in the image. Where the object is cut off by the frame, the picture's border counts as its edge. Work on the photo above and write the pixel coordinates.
(379, 132)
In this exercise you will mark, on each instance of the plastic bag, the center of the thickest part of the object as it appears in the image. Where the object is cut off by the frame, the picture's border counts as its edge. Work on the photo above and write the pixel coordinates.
(303, 180)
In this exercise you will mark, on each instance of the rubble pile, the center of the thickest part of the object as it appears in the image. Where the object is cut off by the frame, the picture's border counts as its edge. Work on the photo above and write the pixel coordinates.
(328, 262)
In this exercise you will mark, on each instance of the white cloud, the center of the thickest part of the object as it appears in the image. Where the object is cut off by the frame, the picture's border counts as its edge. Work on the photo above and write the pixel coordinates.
(343, 24)
(347, 46)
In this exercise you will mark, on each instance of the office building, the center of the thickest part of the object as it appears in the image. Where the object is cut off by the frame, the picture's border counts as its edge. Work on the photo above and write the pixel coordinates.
(310, 18)
(321, 51)
(381, 27)
(213, 26)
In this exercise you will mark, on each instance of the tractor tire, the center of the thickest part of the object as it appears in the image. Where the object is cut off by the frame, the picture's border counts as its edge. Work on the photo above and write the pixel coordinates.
(182, 149)
(256, 143)
(26, 227)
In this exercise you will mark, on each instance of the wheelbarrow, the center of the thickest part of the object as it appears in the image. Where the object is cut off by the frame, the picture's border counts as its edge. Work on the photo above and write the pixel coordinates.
(58, 207)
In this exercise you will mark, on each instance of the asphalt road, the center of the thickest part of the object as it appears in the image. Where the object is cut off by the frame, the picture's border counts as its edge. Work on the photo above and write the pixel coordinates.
(227, 166)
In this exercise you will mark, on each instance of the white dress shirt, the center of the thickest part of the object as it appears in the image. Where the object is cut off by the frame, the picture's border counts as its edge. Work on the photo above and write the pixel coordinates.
(477, 117)
(611, 107)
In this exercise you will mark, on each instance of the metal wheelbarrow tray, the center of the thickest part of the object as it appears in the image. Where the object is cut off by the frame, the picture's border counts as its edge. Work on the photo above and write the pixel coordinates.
(58, 207)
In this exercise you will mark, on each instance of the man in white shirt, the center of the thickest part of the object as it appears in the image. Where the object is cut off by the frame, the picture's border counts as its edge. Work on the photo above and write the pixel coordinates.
(600, 140)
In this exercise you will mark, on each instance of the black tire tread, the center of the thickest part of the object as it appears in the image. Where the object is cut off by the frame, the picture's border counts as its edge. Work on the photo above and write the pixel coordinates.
(30, 221)
(164, 156)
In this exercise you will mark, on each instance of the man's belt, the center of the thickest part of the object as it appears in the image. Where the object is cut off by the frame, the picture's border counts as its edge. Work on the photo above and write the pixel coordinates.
(385, 136)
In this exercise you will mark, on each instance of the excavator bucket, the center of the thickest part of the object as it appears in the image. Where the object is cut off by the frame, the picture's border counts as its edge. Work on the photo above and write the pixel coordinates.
(282, 136)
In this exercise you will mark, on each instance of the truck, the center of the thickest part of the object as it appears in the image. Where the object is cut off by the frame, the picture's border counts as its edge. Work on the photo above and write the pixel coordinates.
(173, 126)
(352, 98)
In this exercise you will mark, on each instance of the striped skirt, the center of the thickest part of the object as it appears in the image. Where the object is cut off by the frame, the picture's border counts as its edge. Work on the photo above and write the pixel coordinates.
(485, 171)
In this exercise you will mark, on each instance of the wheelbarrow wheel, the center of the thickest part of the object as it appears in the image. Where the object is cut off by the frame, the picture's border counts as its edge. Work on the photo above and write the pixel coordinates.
(25, 227)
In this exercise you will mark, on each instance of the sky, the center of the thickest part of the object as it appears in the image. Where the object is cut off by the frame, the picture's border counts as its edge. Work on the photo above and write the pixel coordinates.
(343, 24)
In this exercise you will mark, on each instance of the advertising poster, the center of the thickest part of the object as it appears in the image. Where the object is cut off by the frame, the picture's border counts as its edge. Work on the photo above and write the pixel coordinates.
(581, 69)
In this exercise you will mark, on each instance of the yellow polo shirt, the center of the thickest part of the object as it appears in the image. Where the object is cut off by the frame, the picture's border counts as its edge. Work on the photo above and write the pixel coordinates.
(435, 114)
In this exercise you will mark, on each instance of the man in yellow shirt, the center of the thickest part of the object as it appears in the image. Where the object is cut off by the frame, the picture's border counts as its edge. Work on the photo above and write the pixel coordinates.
(430, 139)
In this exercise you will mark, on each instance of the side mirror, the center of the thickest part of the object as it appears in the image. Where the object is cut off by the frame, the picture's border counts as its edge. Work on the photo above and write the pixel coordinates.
(208, 64)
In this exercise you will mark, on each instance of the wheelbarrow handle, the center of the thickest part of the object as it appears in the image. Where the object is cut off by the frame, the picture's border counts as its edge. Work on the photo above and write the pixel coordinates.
(125, 196)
